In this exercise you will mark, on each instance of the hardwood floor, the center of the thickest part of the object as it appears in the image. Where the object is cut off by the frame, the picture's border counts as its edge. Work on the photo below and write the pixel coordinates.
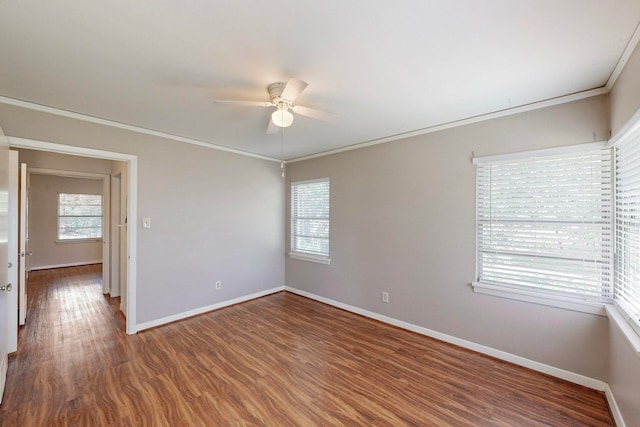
(281, 360)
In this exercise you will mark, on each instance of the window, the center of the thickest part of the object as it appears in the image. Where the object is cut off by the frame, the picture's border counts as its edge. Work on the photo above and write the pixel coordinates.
(544, 225)
(627, 255)
(310, 220)
(79, 216)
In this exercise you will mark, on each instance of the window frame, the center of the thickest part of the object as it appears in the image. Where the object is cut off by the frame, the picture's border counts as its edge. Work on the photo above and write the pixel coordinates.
(535, 295)
(62, 240)
(296, 253)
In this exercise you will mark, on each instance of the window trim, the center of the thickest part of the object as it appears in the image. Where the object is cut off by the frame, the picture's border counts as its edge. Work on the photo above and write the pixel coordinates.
(310, 257)
(301, 255)
(82, 240)
(573, 304)
(79, 239)
(585, 304)
(624, 325)
(544, 152)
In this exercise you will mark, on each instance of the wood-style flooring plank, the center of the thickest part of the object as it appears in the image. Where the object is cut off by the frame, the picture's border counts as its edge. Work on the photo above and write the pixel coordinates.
(281, 360)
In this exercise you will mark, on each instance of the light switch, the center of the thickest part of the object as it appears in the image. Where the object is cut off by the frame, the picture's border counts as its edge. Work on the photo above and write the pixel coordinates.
(146, 222)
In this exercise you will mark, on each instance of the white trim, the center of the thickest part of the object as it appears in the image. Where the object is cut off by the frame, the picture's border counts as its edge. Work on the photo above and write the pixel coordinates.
(4, 368)
(499, 354)
(132, 206)
(622, 62)
(544, 152)
(623, 325)
(310, 181)
(54, 147)
(206, 309)
(132, 247)
(68, 264)
(311, 258)
(583, 306)
(463, 122)
(97, 120)
(613, 407)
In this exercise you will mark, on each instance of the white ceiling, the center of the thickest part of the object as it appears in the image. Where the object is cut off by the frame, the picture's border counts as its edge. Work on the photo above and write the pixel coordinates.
(383, 68)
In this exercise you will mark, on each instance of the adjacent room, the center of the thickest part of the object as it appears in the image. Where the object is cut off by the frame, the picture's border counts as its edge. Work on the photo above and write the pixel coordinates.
(335, 213)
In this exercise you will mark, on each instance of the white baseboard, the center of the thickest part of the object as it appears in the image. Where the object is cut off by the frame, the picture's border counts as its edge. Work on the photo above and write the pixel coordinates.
(499, 354)
(613, 406)
(69, 264)
(201, 310)
(4, 367)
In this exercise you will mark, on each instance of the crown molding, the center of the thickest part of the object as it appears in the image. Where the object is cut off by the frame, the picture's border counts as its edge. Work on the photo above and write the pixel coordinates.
(132, 128)
(626, 54)
(456, 123)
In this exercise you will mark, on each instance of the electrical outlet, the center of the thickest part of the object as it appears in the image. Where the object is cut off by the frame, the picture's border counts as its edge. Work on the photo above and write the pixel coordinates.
(218, 284)
(385, 297)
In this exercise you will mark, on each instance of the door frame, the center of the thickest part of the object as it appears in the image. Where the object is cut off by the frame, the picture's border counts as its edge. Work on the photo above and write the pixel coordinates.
(132, 206)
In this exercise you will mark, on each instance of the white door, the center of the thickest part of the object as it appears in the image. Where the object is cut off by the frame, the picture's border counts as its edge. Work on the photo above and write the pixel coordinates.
(5, 313)
(124, 256)
(13, 249)
(22, 247)
(115, 235)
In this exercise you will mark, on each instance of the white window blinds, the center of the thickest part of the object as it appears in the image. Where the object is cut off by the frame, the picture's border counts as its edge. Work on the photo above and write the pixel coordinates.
(627, 256)
(310, 217)
(79, 216)
(545, 224)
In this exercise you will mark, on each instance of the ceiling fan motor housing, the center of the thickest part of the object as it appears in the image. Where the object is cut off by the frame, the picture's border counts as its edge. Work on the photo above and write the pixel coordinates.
(275, 93)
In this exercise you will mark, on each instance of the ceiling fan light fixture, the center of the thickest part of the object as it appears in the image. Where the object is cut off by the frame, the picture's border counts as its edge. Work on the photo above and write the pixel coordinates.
(282, 117)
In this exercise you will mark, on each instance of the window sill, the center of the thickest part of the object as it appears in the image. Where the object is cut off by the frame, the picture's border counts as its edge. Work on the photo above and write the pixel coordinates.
(623, 325)
(312, 258)
(591, 307)
(67, 241)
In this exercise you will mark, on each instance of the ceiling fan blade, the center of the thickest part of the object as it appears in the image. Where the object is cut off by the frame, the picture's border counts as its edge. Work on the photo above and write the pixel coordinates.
(313, 113)
(272, 127)
(245, 103)
(293, 88)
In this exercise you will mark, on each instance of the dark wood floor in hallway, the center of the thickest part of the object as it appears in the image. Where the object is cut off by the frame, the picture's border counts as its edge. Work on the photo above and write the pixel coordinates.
(281, 360)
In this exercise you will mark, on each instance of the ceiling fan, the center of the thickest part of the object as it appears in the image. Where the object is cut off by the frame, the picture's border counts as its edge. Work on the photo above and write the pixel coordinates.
(283, 96)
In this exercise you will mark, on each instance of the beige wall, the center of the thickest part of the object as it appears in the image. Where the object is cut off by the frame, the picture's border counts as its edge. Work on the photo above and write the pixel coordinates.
(624, 363)
(215, 215)
(62, 162)
(43, 225)
(625, 95)
(403, 221)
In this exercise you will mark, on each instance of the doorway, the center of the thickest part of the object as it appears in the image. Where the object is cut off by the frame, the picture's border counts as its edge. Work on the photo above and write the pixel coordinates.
(129, 266)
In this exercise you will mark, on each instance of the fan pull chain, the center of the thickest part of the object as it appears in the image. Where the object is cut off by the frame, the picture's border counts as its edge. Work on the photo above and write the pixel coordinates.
(282, 151)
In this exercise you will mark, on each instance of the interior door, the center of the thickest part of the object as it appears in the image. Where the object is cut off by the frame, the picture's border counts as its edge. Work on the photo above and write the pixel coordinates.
(12, 248)
(115, 235)
(22, 246)
(124, 256)
(5, 288)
